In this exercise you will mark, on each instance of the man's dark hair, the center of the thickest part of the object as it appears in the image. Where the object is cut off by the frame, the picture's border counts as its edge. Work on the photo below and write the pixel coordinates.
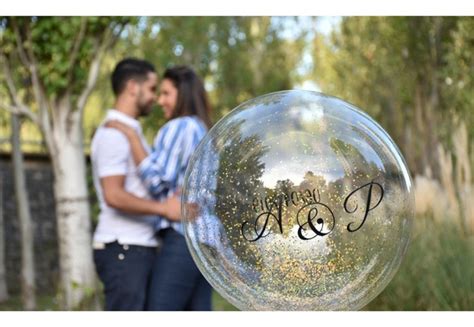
(127, 69)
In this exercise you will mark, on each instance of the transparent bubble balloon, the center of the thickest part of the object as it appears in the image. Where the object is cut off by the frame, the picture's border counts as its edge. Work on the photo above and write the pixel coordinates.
(297, 201)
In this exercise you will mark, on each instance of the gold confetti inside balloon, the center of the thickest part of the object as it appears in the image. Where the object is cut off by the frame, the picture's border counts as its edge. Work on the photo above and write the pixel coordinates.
(297, 201)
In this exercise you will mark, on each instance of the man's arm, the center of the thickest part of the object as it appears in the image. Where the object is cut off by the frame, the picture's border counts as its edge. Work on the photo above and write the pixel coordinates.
(116, 197)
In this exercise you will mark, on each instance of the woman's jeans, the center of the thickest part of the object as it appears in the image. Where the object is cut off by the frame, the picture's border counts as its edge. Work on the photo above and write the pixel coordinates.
(176, 282)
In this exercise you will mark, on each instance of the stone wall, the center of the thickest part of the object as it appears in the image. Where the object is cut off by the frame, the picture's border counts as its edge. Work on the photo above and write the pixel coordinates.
(39, 180)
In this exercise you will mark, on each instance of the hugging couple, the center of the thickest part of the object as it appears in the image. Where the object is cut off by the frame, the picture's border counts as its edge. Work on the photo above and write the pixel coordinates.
(140, 251)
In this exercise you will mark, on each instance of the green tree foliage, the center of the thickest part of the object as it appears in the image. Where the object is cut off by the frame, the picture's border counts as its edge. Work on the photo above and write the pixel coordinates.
(237, 57)
(412, 74)
(64, 48)
(458, 72)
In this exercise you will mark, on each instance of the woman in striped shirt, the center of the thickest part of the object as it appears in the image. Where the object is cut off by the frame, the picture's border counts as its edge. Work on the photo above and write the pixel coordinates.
(176, 283)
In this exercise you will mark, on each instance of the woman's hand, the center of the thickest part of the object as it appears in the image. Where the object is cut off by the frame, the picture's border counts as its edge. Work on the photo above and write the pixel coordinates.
(125, 129)
(138, 151)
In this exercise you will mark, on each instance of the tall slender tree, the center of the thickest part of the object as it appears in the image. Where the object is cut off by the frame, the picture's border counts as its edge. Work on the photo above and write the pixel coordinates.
(59, 58)
(3, 274)
(28, 286)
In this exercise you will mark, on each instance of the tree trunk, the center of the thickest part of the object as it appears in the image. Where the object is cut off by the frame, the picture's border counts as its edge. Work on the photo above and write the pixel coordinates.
(3, 276)
(78, 280)
(421, 152)
(26, 227)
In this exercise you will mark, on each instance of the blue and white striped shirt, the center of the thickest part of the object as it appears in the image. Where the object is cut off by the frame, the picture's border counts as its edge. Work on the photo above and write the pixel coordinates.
(163, 170)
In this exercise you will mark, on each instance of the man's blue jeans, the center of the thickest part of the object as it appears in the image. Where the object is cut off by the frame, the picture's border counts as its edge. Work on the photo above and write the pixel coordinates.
(125, 271)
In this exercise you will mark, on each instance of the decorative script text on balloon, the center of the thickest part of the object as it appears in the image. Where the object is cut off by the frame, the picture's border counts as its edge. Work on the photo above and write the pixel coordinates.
(314, 217)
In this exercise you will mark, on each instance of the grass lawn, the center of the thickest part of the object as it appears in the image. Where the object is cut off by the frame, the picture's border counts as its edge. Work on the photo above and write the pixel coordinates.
(436, 274)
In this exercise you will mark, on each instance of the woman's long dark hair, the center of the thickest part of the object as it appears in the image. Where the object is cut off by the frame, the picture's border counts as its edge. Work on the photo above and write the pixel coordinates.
(192, 96)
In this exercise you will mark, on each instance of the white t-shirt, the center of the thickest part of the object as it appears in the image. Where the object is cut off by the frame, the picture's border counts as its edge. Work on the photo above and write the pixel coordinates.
(111, 155)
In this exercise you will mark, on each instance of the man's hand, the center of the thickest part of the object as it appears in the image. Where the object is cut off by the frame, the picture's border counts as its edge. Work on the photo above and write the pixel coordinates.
(173, 207)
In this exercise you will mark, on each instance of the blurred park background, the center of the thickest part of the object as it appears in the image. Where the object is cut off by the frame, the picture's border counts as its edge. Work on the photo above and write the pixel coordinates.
(414, 75)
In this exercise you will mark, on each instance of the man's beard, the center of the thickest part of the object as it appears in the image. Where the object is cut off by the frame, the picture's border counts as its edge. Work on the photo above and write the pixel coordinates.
(144, 109)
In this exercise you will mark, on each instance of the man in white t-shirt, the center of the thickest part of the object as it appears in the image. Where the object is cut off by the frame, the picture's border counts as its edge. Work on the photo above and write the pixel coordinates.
(124, 239)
